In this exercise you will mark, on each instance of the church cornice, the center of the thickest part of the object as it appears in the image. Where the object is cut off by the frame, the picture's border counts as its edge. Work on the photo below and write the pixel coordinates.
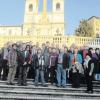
(11, 25)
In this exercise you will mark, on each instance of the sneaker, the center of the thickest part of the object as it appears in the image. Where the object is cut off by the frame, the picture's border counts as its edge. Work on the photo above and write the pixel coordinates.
(44, 85)
(8, 83)
(90, 92)
(86, 91)
(36, 84)
(24, 84)
(12, 84)
(19, 84)
(58, 85)
(53, 84)
(64, 86)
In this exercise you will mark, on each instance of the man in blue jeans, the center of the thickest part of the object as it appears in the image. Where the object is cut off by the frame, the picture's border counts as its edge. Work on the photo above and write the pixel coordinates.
(61, 67)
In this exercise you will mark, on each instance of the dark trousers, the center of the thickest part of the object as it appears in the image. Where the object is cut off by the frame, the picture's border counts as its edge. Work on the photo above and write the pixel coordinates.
(5, 70)
(23, 70)
(52, 74)
(0, 71)
(98, 67)
(46, 73)
(75, 80)
(89, 82)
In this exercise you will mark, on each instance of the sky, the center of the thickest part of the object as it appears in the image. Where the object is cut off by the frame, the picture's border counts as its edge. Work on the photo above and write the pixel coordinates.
(12, 12)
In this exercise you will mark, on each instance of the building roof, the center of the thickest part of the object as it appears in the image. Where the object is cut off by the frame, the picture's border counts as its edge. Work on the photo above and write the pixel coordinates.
(10, 25)
(94, 17)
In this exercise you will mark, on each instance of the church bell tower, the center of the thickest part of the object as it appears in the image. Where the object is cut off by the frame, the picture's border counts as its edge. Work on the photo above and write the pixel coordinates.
(58, 17)
(31, 10)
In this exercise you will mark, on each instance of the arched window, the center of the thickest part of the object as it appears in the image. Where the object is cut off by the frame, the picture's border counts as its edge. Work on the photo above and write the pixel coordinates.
(97, 35)
(58, 6)
(30, 7)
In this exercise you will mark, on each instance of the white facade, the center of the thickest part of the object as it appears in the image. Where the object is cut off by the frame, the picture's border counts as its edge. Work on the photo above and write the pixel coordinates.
(10, 30)
(40, 24)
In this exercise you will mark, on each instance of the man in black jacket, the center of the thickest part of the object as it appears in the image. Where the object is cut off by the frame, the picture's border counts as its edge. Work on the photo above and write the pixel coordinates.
(89, 68)
(23, 62)
(39, 66)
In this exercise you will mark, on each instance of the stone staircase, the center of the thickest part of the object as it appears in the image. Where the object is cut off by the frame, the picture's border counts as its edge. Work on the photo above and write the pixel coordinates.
(31, 92)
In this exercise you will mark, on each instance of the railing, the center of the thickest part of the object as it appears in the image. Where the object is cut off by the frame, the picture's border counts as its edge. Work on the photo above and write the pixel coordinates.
(68, 40)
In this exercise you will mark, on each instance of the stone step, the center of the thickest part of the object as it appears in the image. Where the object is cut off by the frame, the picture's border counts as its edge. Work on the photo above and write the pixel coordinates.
(49, 88)
(96, 81)
(33, 94)
(32, 83)
(21, 97)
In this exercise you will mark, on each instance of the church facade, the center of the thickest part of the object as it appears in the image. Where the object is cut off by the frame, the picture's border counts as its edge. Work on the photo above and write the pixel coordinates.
(42, 26)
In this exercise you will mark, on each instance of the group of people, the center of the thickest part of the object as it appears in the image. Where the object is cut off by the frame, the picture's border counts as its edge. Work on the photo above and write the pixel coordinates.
(49, 63)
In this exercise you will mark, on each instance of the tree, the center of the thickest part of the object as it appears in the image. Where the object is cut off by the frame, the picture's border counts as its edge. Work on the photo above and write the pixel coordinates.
(84, 29)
